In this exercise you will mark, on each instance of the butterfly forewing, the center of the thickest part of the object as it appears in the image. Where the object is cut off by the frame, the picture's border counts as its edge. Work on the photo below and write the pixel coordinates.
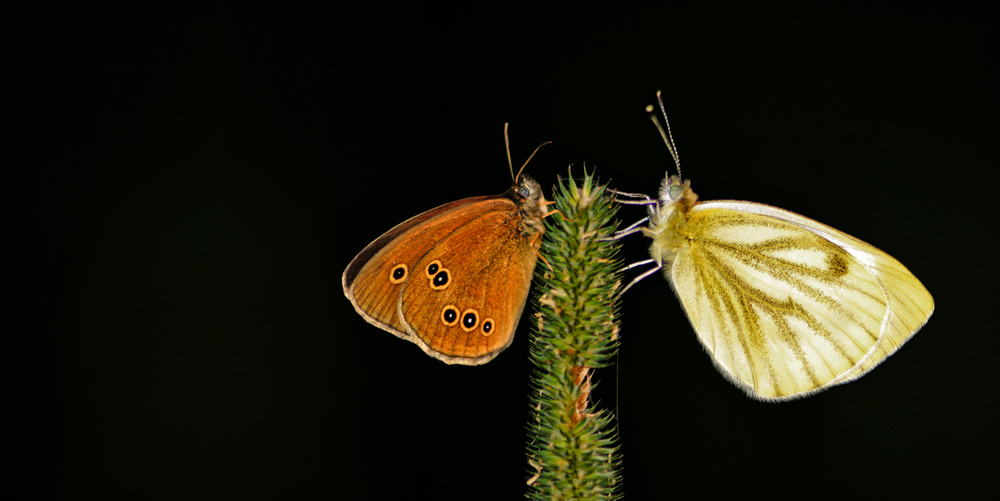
(785, 310)
(908, 302)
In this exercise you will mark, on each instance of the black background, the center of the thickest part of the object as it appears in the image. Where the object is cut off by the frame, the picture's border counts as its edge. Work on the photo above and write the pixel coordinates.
(187, 186)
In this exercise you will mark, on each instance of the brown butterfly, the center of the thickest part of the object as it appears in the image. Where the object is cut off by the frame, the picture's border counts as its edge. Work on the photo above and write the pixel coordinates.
(454, 279)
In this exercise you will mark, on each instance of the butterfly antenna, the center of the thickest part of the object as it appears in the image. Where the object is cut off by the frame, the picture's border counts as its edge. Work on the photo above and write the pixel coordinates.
(668, 137)
(506, 142)
(529, 158)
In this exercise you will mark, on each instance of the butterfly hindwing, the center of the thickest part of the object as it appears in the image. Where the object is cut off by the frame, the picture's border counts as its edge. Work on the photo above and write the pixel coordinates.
(469, 307)
(367, 280)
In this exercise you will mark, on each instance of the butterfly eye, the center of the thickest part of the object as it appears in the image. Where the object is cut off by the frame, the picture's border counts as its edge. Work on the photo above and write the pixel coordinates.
(487, 326)
(470, 319)
(433, 268)
(675, 191)
(449, 315)
(523, 192)
(398, 274)
(440, 281)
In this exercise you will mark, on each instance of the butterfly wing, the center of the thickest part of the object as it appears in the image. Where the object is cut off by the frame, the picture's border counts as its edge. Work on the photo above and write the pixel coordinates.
(479, 247)
(787, 306)
(367, 283)
(468, 309)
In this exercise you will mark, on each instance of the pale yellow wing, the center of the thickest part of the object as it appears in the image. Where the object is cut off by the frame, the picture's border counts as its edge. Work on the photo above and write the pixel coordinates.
(787, 306)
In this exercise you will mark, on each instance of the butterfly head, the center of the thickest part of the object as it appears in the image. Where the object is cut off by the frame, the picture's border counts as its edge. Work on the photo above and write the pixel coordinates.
(675, 194)
(527, 194)
(668, 218)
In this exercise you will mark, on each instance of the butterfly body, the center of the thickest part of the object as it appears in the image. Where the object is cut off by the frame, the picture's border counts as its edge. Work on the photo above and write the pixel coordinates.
(453, 280)
(784, 305)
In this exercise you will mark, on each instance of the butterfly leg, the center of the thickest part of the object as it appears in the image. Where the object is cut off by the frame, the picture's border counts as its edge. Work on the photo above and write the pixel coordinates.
(640, 199)
(554, 211)
(642, 276)
(638, 202)
(636, 265)
(534, 240)
(630, 195)
(635, 228)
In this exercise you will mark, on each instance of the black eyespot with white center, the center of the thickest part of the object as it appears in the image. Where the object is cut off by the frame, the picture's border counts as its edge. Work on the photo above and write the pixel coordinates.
(449, 315)
(441, 279)
(470, 320)
(487, 328)
(438, 275)
(398, 274)
(432, 268)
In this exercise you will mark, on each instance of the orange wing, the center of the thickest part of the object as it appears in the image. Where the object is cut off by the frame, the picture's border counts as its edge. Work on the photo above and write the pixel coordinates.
(479, 238)
(466, 294)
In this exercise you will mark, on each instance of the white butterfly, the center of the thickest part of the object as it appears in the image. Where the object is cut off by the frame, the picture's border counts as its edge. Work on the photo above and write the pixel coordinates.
(784, 305)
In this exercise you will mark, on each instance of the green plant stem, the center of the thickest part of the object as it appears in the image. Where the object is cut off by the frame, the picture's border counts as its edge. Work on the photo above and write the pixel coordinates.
(572, 450)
